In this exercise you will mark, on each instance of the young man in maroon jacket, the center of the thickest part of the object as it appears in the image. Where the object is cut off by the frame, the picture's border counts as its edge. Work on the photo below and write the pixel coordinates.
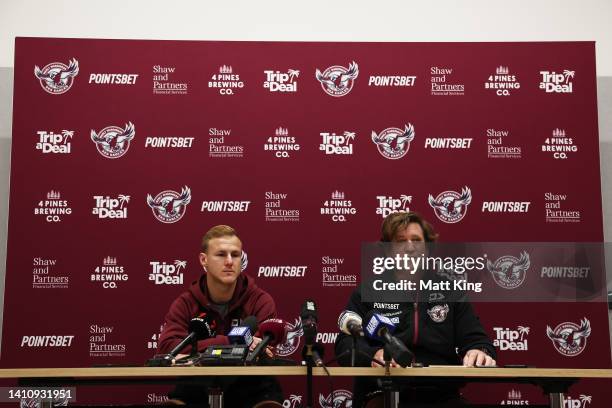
(227, 297)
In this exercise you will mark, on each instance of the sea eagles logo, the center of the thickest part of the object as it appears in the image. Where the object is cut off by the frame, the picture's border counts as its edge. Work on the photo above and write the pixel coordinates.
(170, 206)
(337, 80)
(438, 313)
(337, 399)
(113, 142)
(393, 143)
(451, 206)
(57, 78)
(508, 271)
(295, 332)
(568, 338)
(244, 261)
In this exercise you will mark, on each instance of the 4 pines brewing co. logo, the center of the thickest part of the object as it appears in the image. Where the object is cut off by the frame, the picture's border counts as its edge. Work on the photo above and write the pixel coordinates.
(57, 78)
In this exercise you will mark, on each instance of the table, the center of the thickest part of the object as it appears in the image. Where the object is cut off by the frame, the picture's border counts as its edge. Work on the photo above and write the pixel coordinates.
(553, 381)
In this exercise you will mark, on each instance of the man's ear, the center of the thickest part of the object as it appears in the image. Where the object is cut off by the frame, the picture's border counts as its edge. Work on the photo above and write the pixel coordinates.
(203, 260)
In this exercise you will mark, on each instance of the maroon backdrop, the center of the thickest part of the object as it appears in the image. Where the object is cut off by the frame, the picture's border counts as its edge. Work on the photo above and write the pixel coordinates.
(90, 260)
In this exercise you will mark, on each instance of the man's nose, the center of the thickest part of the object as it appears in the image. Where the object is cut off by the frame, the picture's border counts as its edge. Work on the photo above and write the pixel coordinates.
(229, 260)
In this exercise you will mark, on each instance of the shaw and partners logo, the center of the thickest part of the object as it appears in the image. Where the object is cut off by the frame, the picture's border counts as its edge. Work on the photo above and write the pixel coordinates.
(164, 82)
(169, 206)
(163, 273)
(557, 83)
(332, 143)
(332, 276)
(218, 145)
(49, 142)
(42, 278)
(277, 81)
(514, 340)
(277, 209)
(451, 206)
(497, 139)
(568, 338)
(393, 143)
(508, 271)
(556, 209)
(338, 80)
(100, 343)
(113, 142)
(57, 78)
(442, 82)
(107, 207)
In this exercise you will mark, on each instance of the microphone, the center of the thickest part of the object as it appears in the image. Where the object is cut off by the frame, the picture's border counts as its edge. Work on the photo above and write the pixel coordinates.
(243, 334)
(274, 331)
(350, 323)
(381, 328)
(199, 329)
(312, 350)
(309, 319)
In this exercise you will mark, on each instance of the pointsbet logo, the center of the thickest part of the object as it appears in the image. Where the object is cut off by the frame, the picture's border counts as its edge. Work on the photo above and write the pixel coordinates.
(283, 271)
(47, 341)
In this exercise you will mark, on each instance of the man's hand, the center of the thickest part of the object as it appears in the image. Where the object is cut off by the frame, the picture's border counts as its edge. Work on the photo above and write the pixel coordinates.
(477, 358)
(380, 355)
(256, 341)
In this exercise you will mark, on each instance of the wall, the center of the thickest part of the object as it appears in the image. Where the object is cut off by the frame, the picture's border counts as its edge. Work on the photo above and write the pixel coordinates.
(443, 20)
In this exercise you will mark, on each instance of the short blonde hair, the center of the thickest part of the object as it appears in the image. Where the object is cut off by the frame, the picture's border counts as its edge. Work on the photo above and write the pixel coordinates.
(217, 231)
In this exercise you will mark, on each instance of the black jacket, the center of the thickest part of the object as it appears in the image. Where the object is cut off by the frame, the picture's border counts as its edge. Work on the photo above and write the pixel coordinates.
(438, 327)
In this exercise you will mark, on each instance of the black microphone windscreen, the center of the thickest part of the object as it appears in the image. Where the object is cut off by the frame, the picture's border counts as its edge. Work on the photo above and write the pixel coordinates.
(202, 326)
(251, 323)
(309, 311)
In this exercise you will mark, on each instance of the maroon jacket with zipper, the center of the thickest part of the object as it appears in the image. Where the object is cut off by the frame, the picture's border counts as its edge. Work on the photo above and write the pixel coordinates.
(248, 300)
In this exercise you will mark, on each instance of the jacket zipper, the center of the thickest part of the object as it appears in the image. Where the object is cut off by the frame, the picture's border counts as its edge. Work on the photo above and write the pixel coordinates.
(415, 336)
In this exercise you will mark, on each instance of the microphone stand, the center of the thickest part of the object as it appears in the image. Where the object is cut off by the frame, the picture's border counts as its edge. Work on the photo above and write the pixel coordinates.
(353, 351)
(308, 357)
(391, 399)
